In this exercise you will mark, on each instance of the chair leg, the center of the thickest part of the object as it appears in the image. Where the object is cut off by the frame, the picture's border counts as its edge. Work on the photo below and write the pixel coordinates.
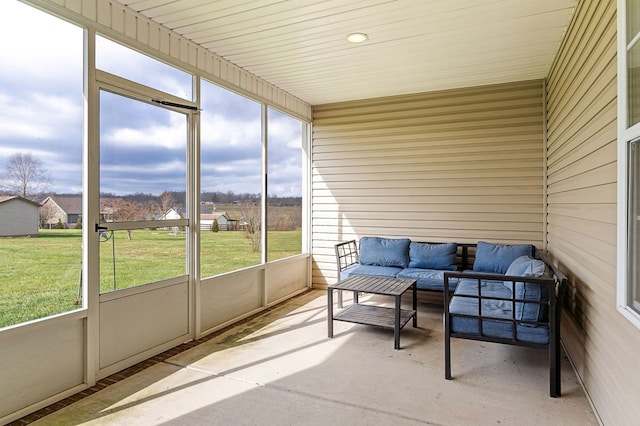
(447, 360)
(447, 351)
(555, 366)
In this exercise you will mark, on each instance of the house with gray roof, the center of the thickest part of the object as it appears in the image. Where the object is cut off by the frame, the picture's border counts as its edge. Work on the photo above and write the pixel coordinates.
(66, 209)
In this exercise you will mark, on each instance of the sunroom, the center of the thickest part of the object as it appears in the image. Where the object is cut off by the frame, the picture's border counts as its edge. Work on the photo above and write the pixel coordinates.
(448, 121)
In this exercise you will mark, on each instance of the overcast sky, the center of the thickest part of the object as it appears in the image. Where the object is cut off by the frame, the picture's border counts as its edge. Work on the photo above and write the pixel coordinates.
(142, 146)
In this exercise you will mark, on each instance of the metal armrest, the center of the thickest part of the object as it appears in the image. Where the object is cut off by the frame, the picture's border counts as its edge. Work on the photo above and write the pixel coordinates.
(346, 255)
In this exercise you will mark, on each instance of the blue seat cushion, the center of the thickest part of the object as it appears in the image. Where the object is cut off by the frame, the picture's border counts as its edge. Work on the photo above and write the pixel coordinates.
(370, 270)
(433, 256)
(488, 288)
(497, 315)
(500, 329)
(384, 251)
(427, 279)
(496, 258)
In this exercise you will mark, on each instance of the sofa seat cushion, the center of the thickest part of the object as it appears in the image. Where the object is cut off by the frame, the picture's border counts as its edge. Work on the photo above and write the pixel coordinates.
(370, 270)
(500, 329)
(488, 288)
(384, 251)
(497, 320)
(496, 258)
(439, 256)
(533, 312)
(427, 279)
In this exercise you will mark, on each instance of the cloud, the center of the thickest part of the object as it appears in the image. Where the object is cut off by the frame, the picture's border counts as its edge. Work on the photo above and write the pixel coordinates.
(154, 137)
(285, 155)
(228, 130)
(128, 63)
(122, 179)
(38, 115)
(32, 43)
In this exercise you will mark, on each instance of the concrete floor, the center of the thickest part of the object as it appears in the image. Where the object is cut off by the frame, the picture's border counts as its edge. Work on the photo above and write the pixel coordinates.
(281, 369)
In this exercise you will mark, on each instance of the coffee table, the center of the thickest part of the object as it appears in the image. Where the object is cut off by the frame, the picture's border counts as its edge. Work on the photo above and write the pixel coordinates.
(392, 318)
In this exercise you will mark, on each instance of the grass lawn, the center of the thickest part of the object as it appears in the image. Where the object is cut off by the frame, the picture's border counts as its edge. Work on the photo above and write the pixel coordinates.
(40, 276)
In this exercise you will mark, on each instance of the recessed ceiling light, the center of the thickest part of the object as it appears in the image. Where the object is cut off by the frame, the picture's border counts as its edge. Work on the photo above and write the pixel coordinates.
(357, 37)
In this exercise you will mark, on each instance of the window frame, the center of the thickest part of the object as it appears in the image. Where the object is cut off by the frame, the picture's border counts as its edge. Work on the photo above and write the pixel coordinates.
(94, 80)
(626, 137)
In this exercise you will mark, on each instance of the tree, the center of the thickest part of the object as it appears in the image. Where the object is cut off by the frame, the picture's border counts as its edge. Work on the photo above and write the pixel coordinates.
(251, 215)
(166, 201)
(126, 211)
(47, 213)
(25, 175)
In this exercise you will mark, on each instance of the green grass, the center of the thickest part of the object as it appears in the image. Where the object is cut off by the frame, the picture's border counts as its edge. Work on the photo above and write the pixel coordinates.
(40, 276)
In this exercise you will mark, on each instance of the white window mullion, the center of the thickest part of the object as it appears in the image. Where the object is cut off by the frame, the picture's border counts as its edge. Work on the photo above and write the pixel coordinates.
(628, 182)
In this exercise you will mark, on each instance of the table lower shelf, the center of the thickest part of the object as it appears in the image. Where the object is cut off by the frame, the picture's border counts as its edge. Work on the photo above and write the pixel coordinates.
(374, 315)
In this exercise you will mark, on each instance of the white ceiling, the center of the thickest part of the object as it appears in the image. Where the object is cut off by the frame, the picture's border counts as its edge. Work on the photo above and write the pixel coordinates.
(414, 45)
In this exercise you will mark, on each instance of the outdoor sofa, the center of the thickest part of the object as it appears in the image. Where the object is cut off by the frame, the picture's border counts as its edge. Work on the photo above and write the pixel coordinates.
(500, 293)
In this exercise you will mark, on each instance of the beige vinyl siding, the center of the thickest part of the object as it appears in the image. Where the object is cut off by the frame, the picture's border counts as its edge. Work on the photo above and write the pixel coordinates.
(581, 110)
(458, 165)
(126, 25)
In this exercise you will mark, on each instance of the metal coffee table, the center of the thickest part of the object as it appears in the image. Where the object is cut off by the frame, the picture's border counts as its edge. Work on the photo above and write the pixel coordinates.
(391, 318)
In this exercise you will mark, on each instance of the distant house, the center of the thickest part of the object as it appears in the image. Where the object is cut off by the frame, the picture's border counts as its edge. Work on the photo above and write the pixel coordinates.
(18, 216)
(171, 214)
(68, 210)
(206, 221)
(64, 208)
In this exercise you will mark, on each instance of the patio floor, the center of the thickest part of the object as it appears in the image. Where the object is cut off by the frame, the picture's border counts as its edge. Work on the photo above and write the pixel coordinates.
(279, 368)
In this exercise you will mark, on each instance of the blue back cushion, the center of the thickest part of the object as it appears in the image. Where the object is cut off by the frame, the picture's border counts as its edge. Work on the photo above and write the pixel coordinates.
(527, 266)
(384, 251)
(433, 256)
(532, 311)
(496, 258)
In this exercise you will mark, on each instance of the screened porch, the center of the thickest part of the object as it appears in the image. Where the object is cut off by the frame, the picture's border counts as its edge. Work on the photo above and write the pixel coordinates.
(508, 121)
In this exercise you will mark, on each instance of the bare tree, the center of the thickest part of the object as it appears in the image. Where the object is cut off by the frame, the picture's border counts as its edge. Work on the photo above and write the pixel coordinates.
(47, 213)
(126, 210)
(25, 175)
(166, 201)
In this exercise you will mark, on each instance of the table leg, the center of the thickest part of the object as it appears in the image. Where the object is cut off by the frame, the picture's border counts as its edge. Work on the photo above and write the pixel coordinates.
(396, 326)
(330, 310)
(415, 304)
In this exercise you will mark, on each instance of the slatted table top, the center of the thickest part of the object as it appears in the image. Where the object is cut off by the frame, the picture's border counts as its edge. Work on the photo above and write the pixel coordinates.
(375, 285)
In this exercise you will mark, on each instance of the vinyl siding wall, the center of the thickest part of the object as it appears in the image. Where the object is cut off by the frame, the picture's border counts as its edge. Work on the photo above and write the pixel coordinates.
(458, 165)
(581, 102)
